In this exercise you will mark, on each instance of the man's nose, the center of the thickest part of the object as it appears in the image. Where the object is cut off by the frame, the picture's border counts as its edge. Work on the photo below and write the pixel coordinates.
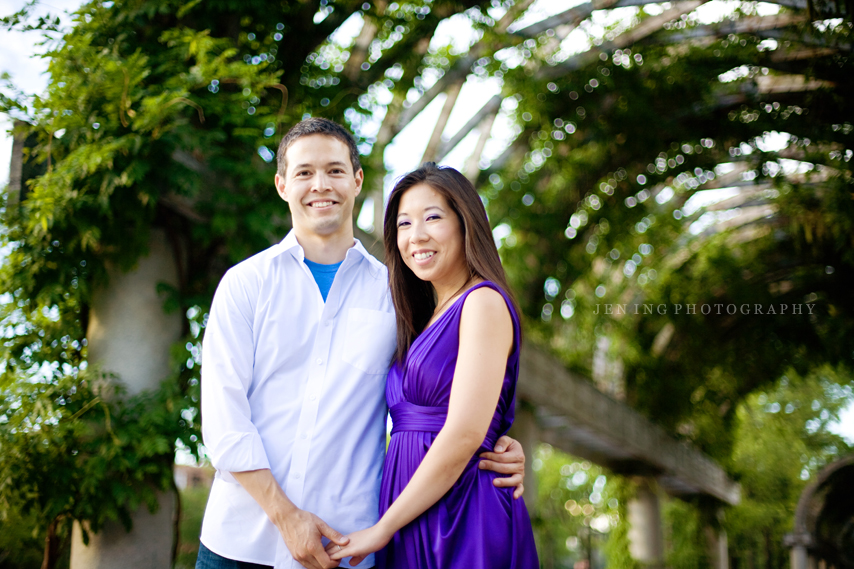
(321, 182)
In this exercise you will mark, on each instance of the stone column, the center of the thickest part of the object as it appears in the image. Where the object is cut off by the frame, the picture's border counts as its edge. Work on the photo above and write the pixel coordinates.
(799, 542)
(646, 541)
(526, 431)
(718, 547)
(130, 335)
(799, 558)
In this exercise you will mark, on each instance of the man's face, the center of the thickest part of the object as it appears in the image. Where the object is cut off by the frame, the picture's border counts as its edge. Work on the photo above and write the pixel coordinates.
(320, 185)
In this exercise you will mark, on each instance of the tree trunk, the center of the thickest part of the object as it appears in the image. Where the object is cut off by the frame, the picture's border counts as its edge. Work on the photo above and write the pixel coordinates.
(769, 549)
(53, 545)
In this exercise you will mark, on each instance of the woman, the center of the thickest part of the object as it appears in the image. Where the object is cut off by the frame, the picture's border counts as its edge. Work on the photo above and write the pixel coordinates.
(450, 390)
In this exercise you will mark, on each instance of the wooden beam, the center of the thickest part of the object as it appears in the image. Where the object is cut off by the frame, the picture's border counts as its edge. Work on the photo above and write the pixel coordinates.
(461, 68)
(589, 423)
(430, 153)
(472, 168)
(743, 26)
(630, 37)
(491, 106)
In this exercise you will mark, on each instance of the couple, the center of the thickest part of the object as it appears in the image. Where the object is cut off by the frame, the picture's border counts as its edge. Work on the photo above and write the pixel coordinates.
(296, 382)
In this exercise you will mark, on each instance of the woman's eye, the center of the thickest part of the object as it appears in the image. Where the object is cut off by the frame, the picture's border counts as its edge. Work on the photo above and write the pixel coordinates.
(431, 217)
(402, 223)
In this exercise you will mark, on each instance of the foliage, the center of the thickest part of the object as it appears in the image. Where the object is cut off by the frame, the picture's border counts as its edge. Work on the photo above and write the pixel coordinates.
(576, 507)
(617, 547)
(782, 441)
(74, 450)
(21, 543)
(687, 547)
(600, 214)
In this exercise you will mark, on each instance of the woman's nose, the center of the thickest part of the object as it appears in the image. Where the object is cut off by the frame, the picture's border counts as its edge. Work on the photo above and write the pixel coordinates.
(418, 233)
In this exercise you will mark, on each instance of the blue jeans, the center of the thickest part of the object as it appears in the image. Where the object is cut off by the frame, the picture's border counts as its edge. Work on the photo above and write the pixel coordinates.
(209, 560)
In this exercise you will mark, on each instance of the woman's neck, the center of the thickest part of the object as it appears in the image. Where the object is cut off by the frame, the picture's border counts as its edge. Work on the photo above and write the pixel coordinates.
(447, 289)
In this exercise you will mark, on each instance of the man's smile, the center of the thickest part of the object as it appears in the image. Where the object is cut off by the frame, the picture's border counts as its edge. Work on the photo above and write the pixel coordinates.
(322, 204)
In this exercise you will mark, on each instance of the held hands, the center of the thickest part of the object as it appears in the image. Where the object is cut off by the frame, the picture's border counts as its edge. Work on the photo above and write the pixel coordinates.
(302, 532)
(361, 544)
(509, 459)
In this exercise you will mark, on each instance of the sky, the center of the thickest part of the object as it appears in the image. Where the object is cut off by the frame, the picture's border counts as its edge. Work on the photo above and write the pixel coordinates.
(18, 57)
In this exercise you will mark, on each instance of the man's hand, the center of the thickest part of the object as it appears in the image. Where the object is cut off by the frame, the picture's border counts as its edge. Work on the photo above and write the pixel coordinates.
(509, 459)
(302, 532)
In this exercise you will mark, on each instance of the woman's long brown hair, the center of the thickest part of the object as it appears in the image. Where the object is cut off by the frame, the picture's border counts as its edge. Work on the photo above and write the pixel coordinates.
(414, 299)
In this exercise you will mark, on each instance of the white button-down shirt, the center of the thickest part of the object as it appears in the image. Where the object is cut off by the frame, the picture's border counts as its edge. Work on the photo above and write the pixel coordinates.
(296, 385)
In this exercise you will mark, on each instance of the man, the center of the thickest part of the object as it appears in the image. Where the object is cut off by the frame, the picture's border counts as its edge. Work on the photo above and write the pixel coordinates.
(295, 356)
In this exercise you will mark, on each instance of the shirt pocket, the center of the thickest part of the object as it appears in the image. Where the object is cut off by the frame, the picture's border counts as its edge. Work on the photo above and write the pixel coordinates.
(370, 341)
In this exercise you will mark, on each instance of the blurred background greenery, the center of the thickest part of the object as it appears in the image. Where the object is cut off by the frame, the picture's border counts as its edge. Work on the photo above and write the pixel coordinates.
(629, 153)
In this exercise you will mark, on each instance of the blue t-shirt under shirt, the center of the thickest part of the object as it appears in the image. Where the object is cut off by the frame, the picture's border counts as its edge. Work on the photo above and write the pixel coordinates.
(323, 275)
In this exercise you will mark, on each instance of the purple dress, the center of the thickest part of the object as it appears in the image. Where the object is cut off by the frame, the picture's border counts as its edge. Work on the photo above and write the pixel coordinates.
(475, 525)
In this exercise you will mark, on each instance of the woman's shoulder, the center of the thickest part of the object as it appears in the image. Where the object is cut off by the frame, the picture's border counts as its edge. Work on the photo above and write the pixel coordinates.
(486, 317)
(486, 301)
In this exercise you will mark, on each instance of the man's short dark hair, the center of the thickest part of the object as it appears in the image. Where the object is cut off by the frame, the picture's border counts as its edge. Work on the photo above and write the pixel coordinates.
(316, 125)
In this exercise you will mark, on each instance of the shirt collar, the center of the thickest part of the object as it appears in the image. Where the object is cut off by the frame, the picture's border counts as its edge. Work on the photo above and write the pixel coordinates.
(290, 244)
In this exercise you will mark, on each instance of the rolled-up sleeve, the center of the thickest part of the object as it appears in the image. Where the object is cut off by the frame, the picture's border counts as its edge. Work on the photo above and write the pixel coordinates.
(232, 440)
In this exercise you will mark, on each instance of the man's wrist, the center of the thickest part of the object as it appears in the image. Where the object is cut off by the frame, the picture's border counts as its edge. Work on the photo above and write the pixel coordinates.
(282, 511)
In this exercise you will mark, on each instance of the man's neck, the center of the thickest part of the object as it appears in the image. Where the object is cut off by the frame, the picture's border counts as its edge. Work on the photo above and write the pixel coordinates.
(325, 249)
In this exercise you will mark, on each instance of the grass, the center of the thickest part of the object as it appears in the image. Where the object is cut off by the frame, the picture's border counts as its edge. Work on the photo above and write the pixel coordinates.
(193, 501)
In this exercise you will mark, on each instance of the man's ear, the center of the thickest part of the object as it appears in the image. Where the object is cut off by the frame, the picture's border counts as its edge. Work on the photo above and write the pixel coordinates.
(280, 187)
(360, 178)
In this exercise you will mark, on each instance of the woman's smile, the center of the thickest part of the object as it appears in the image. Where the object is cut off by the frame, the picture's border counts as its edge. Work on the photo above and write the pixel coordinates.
(423, 256)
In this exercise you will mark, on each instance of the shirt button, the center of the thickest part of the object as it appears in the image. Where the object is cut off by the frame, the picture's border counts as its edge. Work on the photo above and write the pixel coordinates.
(319, 361)
(296, 476)
(304, 436)
(313, 397)
(328, 322)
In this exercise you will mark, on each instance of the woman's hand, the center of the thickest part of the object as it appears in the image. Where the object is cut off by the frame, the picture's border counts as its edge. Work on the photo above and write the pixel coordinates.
(362, 543)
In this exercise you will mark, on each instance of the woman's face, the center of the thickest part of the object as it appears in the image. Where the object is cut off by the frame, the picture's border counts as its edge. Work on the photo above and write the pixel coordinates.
(430, 238)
